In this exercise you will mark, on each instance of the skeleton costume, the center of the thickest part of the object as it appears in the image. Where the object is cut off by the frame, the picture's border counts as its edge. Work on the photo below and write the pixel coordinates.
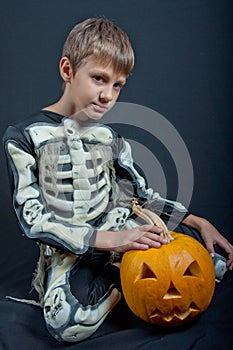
(69, 180)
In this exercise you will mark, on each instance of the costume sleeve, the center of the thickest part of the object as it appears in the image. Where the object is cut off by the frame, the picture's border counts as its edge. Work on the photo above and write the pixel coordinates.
(133, 184)
(37, 221)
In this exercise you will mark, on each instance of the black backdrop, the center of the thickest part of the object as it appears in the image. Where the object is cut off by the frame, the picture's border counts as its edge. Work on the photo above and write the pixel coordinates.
(183, 70)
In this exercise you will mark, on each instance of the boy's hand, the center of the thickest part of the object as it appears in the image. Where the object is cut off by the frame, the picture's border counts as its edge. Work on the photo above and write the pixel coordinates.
(139, 238)
(211, 236)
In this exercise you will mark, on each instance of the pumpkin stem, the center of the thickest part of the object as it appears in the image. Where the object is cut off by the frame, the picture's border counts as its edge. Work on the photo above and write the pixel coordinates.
(151, 218)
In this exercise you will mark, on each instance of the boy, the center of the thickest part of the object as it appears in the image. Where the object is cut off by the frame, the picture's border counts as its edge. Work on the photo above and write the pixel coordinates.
(67, 174)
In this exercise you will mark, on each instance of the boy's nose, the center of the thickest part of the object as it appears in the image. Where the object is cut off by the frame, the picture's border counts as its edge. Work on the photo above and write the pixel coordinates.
(106, 94)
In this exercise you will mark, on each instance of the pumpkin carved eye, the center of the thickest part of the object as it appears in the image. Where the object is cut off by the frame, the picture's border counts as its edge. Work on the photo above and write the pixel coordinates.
(193, 270)
(147, 272)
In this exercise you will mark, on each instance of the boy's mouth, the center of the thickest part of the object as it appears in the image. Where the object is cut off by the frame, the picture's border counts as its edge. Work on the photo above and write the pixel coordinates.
(100, 108)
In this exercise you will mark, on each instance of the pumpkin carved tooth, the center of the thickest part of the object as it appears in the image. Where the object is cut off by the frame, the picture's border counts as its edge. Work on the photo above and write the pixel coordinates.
(194, 307)
(170, 285)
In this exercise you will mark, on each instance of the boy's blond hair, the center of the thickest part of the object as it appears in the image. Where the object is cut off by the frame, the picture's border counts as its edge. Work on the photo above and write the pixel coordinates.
(102, 39)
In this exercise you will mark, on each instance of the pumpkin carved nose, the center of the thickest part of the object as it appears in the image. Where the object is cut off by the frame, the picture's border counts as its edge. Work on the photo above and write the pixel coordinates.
(172, 292)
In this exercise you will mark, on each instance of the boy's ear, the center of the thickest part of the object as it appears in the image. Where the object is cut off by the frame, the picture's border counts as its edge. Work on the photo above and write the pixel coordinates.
(65, 69)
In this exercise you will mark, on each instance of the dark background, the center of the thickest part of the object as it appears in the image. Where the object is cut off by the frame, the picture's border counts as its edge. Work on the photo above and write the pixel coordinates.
(183, 70)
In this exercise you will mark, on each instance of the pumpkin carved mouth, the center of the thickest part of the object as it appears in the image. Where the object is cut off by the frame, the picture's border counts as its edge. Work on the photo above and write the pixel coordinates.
(175, 315)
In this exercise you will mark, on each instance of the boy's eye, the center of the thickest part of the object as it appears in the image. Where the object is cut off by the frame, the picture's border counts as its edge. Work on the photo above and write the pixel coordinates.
(118, 86)
(101, 80)
(98, 78)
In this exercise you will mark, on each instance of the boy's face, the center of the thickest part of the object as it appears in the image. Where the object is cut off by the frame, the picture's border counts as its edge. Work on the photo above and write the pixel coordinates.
(93, 90)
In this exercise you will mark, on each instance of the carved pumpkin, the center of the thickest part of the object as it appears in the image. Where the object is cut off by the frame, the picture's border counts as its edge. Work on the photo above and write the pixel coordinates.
(171, 285)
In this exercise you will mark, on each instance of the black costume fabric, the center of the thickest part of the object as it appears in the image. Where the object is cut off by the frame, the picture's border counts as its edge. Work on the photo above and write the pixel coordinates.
(120, 329)
(68, 180)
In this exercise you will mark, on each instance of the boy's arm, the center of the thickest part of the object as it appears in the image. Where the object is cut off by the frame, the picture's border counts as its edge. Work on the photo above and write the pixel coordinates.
(38, 223)
(211, 236)
(138, 238)
(168, 210)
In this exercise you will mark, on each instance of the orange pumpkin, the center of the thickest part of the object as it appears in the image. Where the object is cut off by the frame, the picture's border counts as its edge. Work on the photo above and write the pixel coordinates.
(171, 285)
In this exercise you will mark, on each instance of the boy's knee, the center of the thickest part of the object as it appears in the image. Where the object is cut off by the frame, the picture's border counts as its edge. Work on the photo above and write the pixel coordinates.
(67, 320)
(76, 332)
(72, 333)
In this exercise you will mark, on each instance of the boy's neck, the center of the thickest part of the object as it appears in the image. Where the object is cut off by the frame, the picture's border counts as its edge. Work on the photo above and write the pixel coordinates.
(65, 108)
(56, 108)
(61, 107)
